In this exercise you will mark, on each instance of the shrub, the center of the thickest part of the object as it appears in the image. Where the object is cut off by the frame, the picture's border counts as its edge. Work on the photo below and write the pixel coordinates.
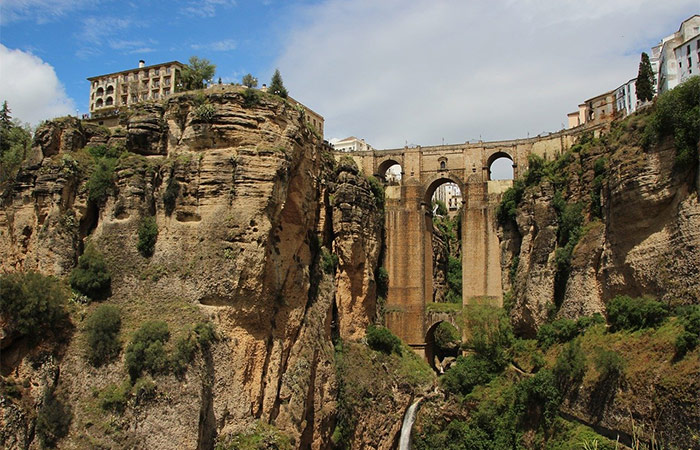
(102, 330)
(609, 364)
(31, 303)
(507, 209)
(144, 389)
(205, 112)
(101, 181)
(263, 436)
(570, 366)
(490, 333)
(627, 313)
(91, 277)
(454, 277)
(538, 399)
(383, 340)
(382, 280)
(677, 114)
(251, 97)
(170, 195)
(446, 336)
(105, 151)
(514, 268)
(689, 337)
(146, 351)
(467, 373)
(204, 333)
(561, 330)
(377, 189)
(115, 397)
(52, 420)
(329, 261)
(183, 355)
(148, 235)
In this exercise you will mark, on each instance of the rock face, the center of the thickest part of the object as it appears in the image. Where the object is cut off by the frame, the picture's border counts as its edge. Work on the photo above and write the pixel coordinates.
(647, 242)
(241, 194)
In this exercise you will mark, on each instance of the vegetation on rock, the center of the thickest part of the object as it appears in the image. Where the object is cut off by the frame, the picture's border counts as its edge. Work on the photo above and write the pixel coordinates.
(102, 330)
(383, 340)
(148, 234)
(53, 419)
(15, 142)
(32, 304)
(91, 277)
(644, 84)
(197, 72)
(277, 86)
(146, 351)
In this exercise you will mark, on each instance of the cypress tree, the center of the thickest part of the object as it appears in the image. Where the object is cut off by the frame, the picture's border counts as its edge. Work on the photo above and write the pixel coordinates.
(276, 85)
(645, 80)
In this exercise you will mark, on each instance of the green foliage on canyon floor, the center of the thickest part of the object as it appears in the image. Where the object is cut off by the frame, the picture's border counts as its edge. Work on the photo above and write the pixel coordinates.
(517, 404)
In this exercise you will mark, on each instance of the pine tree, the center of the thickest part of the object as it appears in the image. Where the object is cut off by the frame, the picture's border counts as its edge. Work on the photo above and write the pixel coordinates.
(645, 80)
(5, 118)
(277, 86)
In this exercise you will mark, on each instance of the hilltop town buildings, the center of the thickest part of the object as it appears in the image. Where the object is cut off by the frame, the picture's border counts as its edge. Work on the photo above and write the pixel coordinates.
(111, 91)
(351, 144)
(675, 59)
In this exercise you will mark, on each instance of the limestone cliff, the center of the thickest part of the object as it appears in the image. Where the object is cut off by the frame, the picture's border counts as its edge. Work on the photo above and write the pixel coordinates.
(616, 215)
(245, 197)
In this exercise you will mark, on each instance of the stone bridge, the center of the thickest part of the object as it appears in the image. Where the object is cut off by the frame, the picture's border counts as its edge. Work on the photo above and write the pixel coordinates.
(408, 222)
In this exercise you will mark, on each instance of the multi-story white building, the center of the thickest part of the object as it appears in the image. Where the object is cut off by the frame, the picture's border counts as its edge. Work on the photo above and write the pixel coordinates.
(678, 55)
(351, 144)
(108, 92)
(626, 98)
(450, 195)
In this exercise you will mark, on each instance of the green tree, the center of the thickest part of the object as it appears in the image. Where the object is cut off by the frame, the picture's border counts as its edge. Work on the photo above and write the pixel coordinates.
(645, 80)
(277, 86)
(5, 118)
(15, 141)
(249, 81)
(148, 234)
(197, 72)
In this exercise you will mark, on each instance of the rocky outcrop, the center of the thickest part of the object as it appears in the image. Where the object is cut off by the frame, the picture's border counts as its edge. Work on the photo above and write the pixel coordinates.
(647, 242)
(244, 196)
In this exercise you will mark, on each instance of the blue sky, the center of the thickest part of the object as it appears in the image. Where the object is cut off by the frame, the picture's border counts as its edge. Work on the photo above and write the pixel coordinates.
(393, 72)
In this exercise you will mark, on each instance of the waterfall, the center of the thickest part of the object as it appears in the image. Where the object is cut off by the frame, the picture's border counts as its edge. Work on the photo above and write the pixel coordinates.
(408, 419)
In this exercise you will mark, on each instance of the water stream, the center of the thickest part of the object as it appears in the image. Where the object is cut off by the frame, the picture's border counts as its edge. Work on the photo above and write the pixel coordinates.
(408, 419)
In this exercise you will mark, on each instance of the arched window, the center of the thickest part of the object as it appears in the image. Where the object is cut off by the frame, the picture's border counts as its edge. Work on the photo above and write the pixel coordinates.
(98, 104)
(443, 165)
(109, 101)
(100, 91)
(110, 90)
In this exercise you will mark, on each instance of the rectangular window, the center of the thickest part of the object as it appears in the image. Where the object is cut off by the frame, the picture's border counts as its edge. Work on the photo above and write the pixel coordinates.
(166, 91)
(167, 70)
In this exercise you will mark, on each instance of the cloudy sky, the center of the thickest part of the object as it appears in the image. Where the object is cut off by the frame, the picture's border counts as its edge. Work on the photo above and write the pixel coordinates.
(393, 72)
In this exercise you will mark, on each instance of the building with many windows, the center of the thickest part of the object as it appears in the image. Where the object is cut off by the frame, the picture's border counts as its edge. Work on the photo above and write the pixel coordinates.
(676, 56)
(111, 91)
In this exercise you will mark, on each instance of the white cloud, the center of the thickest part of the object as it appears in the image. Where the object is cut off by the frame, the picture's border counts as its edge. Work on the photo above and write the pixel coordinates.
(206, 8)
(41, 11)
(31, 88)
(417, 71)
(224, 45)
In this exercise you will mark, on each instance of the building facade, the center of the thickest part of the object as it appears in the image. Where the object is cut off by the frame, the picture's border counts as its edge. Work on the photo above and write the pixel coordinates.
(626, 98)
(678, 55)
(351, 144)
(111, 91)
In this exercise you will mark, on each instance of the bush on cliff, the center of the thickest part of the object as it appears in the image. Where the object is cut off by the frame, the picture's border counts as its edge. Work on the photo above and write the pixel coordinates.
(101, 181)
(690, 336)
(677, 114)
(148, 234)
(53, 419)
(627, 313)
(31, 303)
(102, 329)
(146, 351)
(383, 340)
(91, 277)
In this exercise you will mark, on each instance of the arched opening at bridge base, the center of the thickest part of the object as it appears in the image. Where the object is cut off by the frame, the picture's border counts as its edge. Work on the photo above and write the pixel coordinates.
(500, 166)
(442, 342)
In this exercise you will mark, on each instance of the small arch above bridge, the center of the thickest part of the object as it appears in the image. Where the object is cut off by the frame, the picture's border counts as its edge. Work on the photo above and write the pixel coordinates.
(438, 180)
(500, 166)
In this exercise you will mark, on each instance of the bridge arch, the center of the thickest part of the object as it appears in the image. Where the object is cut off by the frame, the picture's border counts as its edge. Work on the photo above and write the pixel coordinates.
(435, 351)
(496, 157)
(437, 180)
(386, 164)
